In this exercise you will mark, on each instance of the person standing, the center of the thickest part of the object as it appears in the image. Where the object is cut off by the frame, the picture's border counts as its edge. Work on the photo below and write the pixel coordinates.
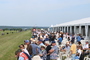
(78, 37)
(73, 51)
(35, 49)
(43, 53)
(61, 33)
(54, 51)
(52, 37)
(23, 49)
(47, 43)
(21, 55)
(60, 40)
(73, 39)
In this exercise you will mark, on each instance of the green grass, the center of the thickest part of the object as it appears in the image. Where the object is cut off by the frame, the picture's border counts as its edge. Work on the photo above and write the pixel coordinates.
(9, 44)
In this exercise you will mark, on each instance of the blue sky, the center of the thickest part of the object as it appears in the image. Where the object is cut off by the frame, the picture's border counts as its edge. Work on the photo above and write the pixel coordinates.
(42, 12)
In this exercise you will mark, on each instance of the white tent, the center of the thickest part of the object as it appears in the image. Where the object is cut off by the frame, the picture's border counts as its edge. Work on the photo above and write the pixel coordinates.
(78, 26)
(76, 22)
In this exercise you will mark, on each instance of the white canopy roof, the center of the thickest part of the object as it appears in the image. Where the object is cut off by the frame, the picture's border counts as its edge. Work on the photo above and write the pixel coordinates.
(76, 22)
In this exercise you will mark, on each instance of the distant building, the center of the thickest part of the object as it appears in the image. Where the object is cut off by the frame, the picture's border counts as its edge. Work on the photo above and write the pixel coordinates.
(81, 26)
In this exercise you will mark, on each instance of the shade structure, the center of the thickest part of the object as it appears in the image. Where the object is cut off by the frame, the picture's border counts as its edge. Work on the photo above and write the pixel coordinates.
(76, 22)
(81, 26)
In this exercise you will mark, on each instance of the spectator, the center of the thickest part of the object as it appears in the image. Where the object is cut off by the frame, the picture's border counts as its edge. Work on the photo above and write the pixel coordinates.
(79, 50)
(46, 39)
(47, 43)
(79, 44)
(67, 47)
(73, 39)
(60, 40)
(43, 53)
(86, 49)
(35, 49)
(54, 51)
(26, 43)
(61, 34)
(20, 55)
(52, 37)
(40, 43)
(73, 51)
(68, 37)
(78, 37)
(86, 46)
(23, 49)
(29, 47)
(77, 56)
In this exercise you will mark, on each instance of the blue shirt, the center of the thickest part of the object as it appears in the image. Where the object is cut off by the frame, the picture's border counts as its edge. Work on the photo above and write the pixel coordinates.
(60, 39)
(41, 45)
(54, 54)
(76, 57)
(35, 49)
(46, 39)
(78, 38)
(21, 58)
(67, 48)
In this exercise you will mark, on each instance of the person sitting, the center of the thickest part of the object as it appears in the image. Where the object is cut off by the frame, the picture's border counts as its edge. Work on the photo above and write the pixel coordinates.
(47, 43)
(66, 47)
(86, 46)
(79, 44)
(77, 56)
(46, 39)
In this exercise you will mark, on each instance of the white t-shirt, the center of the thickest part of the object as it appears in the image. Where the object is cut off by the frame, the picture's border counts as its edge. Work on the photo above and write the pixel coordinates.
(86, 46)
(80, 51)
(25, 50)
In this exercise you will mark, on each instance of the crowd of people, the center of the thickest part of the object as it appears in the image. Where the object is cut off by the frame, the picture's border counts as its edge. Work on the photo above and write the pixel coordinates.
(43, 45)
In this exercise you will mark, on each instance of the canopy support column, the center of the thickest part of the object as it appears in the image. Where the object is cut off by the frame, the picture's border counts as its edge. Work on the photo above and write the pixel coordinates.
(86, 32)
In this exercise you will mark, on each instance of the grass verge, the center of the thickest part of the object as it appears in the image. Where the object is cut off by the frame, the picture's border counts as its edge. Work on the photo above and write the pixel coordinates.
(9, 44)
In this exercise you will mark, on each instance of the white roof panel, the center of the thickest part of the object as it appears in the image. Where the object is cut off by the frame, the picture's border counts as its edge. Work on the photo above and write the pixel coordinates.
(76, 22)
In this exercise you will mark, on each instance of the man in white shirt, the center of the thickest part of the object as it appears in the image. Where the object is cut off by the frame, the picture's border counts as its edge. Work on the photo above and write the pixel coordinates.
(86, 46)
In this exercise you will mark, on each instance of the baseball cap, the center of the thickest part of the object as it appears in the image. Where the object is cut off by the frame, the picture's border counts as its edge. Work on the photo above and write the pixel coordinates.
(32, 37)
(41, 40)
(53, 42)
(26, 41)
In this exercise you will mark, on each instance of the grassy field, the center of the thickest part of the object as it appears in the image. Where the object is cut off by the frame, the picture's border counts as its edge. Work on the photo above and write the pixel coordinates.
(7, 31)
(9, 44)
